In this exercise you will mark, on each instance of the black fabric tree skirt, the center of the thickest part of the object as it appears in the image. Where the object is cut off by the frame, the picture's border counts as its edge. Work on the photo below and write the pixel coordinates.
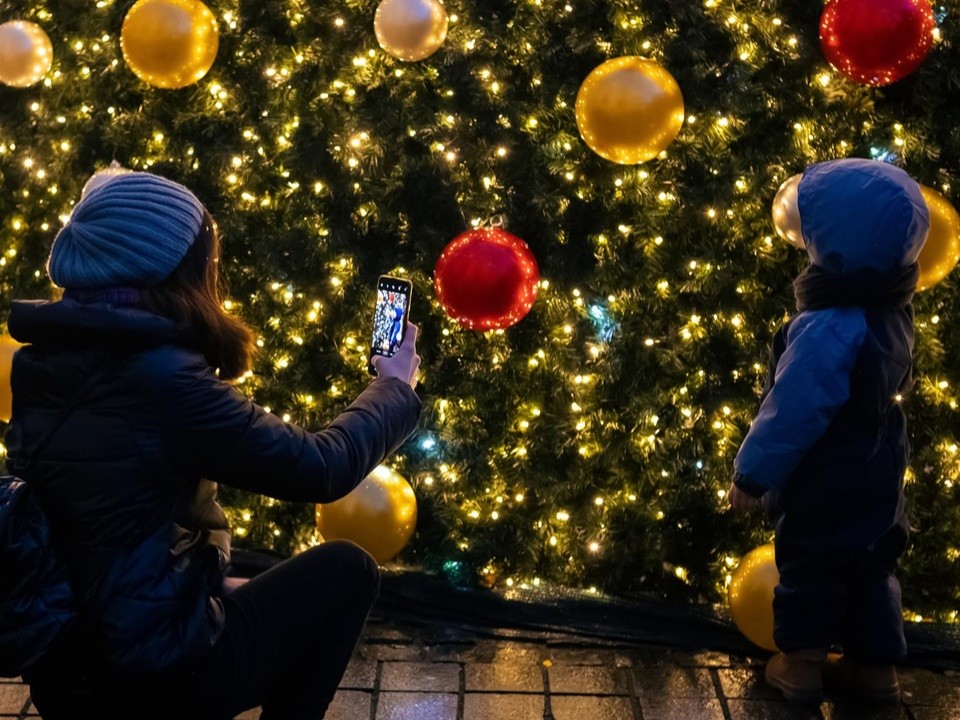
(422, 598)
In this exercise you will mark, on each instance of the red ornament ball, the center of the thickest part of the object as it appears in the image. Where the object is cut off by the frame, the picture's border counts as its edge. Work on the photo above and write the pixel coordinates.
(876, 42)
(487, 279)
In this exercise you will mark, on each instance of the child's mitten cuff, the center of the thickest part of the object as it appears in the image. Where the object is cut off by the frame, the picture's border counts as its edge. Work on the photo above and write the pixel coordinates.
(748, 487)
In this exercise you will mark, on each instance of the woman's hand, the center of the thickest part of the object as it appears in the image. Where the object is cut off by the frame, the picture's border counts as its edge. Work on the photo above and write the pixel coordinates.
(405, 364)
(232, 583)
(740, 500)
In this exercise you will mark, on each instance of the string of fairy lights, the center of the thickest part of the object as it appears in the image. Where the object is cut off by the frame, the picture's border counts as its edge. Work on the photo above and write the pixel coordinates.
(583, 327)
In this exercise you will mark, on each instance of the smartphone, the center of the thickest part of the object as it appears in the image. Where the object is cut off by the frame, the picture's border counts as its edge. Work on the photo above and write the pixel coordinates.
(390, 317)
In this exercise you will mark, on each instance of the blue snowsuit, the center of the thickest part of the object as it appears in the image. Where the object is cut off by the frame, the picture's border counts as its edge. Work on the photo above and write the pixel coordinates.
(830, 436)
(396, 328)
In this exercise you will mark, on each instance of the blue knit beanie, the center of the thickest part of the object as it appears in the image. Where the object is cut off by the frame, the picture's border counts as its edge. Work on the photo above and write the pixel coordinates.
(134, 230)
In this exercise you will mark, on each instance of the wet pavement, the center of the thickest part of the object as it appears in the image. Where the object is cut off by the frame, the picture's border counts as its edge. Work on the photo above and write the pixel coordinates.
(408, 672)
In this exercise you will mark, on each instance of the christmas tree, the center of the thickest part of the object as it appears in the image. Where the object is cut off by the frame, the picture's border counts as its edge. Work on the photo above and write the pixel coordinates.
(591, 444)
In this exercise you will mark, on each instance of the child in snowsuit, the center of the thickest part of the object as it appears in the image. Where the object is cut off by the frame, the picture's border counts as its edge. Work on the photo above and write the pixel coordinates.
(830, 436)
(396, 329)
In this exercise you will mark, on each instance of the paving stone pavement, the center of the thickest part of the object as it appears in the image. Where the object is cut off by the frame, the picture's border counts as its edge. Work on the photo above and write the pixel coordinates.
(406, 672)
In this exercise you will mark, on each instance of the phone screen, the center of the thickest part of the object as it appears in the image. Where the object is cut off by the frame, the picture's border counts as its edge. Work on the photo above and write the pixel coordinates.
(390, 315)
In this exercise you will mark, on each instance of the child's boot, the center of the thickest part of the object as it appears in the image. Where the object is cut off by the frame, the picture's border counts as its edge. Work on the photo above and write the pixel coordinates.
(798, 675)
(877, 684)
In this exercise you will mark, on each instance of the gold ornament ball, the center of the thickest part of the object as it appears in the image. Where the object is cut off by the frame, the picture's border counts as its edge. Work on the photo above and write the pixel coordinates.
(410, 29)
(102, 177)
(750, 596)
(629, 110)
(8, 346)
(26, 54)
(169, 43)
(786, 212)
(941, 251)
(379, 515)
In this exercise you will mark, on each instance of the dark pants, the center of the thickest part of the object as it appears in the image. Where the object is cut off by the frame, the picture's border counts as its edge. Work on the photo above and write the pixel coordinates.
(289, 635)
(837, 546)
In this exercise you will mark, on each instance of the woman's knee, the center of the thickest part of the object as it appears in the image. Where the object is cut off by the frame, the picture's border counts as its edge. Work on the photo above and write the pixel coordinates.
(352, 565)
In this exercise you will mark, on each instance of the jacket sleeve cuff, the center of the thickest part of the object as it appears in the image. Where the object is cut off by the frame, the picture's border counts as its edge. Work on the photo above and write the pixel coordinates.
(412, 405)
(748, 487)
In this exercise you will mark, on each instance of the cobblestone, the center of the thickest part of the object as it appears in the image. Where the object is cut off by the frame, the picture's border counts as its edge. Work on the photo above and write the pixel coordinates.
(434, 677)
(666, 708)
(481, 706)
(361, 675)
(402, 673)
(585, 679)
(770, 710)
(504, 677)
(417, 706)
(13, 696)
(679, 682)
(590, 707)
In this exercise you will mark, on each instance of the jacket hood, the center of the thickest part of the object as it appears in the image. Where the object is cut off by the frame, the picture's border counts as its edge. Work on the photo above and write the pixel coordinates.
(90, 325)
(861, 215)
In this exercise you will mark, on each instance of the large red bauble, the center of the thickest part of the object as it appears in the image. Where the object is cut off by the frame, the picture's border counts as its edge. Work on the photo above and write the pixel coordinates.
(487, 279)
(876, 42)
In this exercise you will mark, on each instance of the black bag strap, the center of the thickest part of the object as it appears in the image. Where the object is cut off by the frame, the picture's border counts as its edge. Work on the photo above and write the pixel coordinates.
(26, 462)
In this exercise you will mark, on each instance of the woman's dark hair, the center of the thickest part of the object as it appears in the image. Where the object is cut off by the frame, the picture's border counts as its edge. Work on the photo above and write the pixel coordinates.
(192, 296)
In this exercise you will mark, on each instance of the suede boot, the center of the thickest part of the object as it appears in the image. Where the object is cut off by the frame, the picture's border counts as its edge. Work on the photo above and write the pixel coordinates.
(875, 683)
(798, 675)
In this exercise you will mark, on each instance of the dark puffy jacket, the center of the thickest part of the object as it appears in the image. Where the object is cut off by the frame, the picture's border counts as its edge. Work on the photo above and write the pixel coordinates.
(830, 408)
(830, 405)
(866, 437)
(150, 441)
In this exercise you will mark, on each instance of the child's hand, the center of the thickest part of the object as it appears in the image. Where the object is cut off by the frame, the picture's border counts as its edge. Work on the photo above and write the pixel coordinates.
(742, 501)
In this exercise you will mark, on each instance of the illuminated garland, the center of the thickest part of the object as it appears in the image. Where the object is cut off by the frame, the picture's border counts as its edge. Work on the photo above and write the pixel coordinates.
(590, 445)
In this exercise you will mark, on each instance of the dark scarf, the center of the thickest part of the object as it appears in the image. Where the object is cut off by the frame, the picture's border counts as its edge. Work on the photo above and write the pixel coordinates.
(817, 289)
(117, 296)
